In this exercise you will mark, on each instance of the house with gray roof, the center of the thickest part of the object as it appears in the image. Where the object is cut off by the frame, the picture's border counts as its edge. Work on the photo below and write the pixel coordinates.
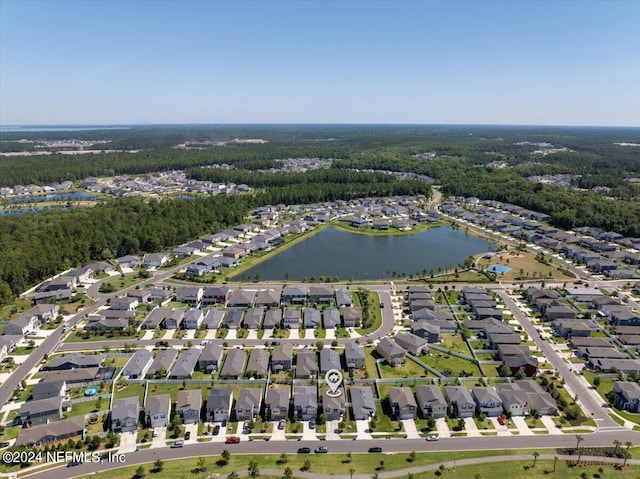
(51, 432)
(234, 364)
(157, 410)
(487, 400)
(185, 365)
(311, 318)
(48, 390)
(189, 405)
(426, 330)
(539, 399)
(272, 318)
(248, 403)
(306, 365)
(125, 303)
(291, 318)
(362, 402)
(412, 343)
(343, 298)
(258, 364)
(162, 363)
(241, 298)
(391, 351)
(305, 403)
(213, 319)
(431, 401)
(627, 395)
(333, 407)
(211, 357)
(331, 318)
(191, 295)
(172, 319)
(329, 359)
(76, 361)
(461, 404)
(71, 376)
(124, 414)
(276, 403)
(402, 403)
(193, 318)
(294, 295)
(253, 318)
(351, 317)
(268, 297)
(41, 411)
(233, 319)
(282, 357)
(138, 365)
(514, 399)
(354, 356)
(321, 294)
(219, 404)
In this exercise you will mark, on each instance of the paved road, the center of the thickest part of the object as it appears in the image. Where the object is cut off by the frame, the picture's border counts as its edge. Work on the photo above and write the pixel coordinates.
(344, 446)
(589, 403)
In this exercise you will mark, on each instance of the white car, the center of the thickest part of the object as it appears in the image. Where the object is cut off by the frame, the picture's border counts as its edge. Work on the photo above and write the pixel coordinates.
(156, 433)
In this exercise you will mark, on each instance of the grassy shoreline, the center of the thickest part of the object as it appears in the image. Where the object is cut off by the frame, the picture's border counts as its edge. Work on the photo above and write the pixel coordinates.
(341, 225)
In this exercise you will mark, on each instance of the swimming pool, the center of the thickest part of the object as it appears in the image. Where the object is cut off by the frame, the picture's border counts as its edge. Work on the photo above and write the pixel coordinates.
(92, 391)
(498, 268)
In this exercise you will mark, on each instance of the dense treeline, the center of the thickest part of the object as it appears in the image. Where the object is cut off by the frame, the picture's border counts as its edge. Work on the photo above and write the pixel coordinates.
(36, 246)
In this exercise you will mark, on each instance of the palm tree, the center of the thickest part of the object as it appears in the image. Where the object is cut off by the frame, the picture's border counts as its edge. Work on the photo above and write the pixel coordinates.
(351, 471)
(535, 457)
(626, 453)
(579, 439)
(580, 453)
(617, 444)
(555, 459)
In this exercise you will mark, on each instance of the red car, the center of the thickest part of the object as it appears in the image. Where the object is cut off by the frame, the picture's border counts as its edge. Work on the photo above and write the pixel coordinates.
(232, 440)
(501, 420)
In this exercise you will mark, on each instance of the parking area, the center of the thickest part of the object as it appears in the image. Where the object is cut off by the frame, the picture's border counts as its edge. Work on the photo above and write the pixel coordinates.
(332, 430)
(277, 434)
(128, 442)
(410, 429)
(521, 424)
(308, 434)
(161, 439)
(193, 430)
(362, 426)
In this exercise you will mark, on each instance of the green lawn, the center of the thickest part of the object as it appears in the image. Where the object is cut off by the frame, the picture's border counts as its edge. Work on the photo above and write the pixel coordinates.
(409, 369)
(442, 362)
(129, 391)
(454, 342)
(119, 283)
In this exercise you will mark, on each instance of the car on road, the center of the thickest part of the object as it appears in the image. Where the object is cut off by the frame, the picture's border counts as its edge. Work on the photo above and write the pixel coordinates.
(216, 430)
(177, 444)
(304, 450)
(74, 463)
(232, 440)
(321, 450)
(432, 437)
(187, 435)
(281, 424)
(375, 449)
(501, 420)
(162, 344)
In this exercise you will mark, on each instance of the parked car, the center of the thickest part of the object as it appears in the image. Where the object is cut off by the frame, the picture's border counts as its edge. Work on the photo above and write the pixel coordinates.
(281, 424)
(232, 440)
(501, 420)
(177, 444)
(187, 435)
(304, 450)
(432, 437)
(245, 426)
(312, 424)
(216, 430)
(375, 449)
(321, 450)
(156, 432)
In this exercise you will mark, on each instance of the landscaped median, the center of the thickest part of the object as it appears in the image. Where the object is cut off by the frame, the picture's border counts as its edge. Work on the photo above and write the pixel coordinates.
(457, 465)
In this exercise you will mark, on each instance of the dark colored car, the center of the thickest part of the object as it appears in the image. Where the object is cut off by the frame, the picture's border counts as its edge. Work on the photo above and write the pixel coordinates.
(73, 463)
(375, 449)
(187, 435)
(216, 430)
(304, 450)
(162, 344)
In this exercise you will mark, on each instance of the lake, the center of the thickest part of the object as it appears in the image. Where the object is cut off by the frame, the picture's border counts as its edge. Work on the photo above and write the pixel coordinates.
(334, 252)
(74, 196)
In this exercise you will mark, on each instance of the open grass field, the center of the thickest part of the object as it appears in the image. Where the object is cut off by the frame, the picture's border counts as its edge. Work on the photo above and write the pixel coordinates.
(119, 283)
(523, 266)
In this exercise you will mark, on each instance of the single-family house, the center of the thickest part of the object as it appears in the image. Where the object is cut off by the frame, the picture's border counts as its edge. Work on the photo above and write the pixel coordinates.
(189, 405)
(461, 404)
(41, 411)
(515, 401)
(162, 363)
(51, 432)
(627, 395)
(402, 403)
(431, 401)
(211, 357)
(333, 406)
(233, 364)
(294, 295)
(193, 318)
(329, 359)
(157, 410)
(248, 403)
(331, 318)
(291, 318)
(487, 400)
(282, 357)
(354, 356)
(412, 343)
(362, 402)
(391, 351)
(426, 330)
(276, 403)
(46, 390)
(185, 365)
(241, 298)
(351, 317)
(306, 365)
(138, 365)
(219, 404)
(124, 414)
(305, 403)
(258, 364)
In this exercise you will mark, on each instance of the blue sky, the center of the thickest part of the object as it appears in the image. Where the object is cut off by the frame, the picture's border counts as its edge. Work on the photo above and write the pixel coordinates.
(487, 62)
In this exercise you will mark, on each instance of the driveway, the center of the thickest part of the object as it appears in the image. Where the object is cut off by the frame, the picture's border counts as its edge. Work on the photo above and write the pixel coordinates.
(189, 334)
(471, 427)
(442, 427)
(253, 334)
(500, 429)
(308, 434)
(330, 333)
(362, 426)
(294, 333)
(277, 434)
(193, 429)
(127, 442)
(211, 334)
(169, 334)
(232, 334)
(550, 425)
(222, 435)
(268, 333)
(161, 439)
(332, 427)
(522, 426)
(410, 429)
(309, 333)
